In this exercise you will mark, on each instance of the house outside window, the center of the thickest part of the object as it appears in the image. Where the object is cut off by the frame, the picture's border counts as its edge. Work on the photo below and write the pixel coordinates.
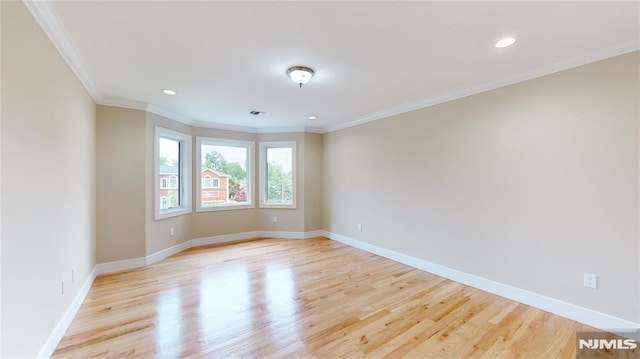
(225, 165)
(173, 173)
(278, 174)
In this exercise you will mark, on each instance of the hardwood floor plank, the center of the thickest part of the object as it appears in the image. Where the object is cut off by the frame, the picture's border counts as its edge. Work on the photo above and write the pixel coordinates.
(316, 298)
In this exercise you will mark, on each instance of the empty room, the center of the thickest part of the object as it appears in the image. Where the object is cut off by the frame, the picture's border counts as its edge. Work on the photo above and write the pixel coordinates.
(350, 179)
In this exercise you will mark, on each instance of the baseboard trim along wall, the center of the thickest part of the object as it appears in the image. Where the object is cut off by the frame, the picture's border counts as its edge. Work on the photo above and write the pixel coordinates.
(584, 315)
(111, 267)
(58, 332)
(574, 312)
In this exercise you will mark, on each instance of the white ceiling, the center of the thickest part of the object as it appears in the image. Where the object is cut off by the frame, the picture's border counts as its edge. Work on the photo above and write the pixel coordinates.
(372, 59)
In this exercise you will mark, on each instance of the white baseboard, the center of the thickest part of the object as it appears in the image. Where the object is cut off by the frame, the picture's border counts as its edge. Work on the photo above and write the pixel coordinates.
(111, 267)
(63, 324)
(224, 238)
(117, 266)
(568, 310)
(105, 268)
(314, 234)
(561, 308)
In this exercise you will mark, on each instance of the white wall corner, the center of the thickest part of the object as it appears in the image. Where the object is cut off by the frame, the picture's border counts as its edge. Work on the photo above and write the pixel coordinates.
(568, 310)
(63, 324)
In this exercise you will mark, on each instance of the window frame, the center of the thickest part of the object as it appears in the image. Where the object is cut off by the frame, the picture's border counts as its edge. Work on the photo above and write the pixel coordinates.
(249, 181)
(184, 175)
(263, 146)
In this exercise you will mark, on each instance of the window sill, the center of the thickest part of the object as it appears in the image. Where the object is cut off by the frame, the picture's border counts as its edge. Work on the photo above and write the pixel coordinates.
(275, 205)
(225, 208)
(173, 213)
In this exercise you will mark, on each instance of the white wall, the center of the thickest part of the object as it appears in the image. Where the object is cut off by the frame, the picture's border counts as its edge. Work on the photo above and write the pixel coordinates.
(48, 184)
(530, 185)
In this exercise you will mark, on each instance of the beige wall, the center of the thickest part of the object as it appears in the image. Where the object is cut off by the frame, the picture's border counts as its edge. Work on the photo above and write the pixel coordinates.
(120, 184)
(208, 224)
(126, 173)
(531, 185)
(157, 232)
(289, 219)
(48, 126)
(312, 182)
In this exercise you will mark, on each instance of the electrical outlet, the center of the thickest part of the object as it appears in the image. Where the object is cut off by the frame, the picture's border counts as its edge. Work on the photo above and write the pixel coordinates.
(73, 275)
(590, 281)
(62, 288)
(172, 231)
(275, 219)
(359, 227)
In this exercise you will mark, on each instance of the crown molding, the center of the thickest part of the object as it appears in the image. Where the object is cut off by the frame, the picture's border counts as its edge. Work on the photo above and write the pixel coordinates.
(291, 129)
(609, 52)
(123, 103)
(224, 127)
(45, 16)
(168, 114)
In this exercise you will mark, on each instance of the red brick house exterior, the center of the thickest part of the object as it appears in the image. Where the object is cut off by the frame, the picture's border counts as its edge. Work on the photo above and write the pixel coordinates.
(215, 187)
(169, 187)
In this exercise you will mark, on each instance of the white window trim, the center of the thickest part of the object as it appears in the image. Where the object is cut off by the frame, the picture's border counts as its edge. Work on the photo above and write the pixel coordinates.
(263, 171)
(217, 180)
(164, 181)
(249, 180)
(176, 183)
(185, 169)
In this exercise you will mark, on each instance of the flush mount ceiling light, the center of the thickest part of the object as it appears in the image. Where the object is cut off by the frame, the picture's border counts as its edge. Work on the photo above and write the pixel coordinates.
(312, 117)
(505, 42)
(300, 74)
(169, 92)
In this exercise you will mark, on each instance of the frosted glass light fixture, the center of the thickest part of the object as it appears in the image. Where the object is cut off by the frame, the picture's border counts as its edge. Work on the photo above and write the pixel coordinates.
(300, 74)
(505, 42)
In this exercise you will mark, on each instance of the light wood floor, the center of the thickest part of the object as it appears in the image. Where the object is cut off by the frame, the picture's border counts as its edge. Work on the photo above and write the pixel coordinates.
(303, 298)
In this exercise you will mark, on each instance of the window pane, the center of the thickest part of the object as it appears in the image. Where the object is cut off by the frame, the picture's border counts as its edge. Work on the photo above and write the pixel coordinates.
(225, 169)
(279, 175)
(169, 172)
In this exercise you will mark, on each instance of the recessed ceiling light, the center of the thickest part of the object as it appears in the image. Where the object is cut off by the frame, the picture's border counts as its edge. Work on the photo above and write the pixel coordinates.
(312, 117)
(169, 92)
(506, 41)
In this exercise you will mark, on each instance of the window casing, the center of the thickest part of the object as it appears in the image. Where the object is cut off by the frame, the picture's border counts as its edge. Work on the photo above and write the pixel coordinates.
(227, 166)
(278, 174)
(173, 173)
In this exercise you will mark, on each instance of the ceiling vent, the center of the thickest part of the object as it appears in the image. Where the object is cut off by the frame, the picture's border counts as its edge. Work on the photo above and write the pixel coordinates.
(256, 113)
